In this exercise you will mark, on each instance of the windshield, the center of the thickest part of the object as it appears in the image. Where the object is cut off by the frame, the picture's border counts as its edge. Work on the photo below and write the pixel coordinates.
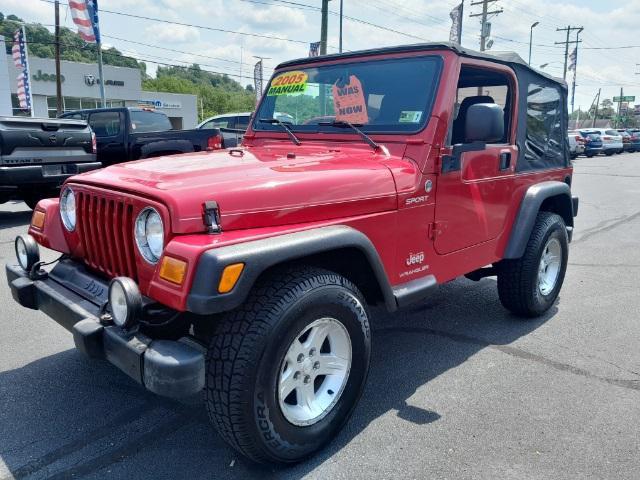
(381, 95)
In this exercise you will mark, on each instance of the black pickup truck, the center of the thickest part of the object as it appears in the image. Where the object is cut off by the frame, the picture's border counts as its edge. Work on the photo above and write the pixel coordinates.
(38, 154)
(128, 133)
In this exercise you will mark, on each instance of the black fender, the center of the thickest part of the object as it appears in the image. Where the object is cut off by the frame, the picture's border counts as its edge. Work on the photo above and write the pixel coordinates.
(556, 196)
(182, 146)
(260, 255)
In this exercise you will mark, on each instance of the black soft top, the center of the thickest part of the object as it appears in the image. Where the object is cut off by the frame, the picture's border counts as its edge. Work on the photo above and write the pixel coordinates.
(507, 58)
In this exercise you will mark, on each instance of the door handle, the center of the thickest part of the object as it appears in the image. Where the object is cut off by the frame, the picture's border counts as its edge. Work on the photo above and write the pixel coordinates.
(505, 160)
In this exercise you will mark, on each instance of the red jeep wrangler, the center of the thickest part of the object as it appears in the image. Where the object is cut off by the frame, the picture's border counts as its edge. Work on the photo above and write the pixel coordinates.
(364, 178)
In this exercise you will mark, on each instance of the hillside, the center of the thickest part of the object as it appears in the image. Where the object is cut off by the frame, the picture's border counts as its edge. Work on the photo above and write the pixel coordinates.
(218, 93)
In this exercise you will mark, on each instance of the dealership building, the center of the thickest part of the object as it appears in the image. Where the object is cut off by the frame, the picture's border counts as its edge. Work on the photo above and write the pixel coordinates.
(81, 89)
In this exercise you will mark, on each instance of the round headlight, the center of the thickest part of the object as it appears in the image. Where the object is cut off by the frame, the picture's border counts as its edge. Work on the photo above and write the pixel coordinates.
(68, 209)
(125, 301)
(27, 251)
(149, 233)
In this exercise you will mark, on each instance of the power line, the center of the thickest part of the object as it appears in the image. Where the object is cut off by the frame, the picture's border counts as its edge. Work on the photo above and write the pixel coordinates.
(203, 27)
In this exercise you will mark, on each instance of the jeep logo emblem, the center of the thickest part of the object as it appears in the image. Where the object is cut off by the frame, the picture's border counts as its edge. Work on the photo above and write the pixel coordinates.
(415, 259)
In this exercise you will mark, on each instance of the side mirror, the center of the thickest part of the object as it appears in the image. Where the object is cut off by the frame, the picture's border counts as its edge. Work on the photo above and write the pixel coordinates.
(484, 123)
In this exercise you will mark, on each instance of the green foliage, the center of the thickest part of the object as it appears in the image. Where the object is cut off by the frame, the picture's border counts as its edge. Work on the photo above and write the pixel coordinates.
(218, 93)
(41, 43)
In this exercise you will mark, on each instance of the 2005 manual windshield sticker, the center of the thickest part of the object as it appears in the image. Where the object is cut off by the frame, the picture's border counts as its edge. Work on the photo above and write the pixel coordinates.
(288, 83)
(349, 103)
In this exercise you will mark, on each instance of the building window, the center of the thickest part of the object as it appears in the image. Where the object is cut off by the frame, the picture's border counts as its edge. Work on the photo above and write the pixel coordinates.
(73, 103)
(15, 107)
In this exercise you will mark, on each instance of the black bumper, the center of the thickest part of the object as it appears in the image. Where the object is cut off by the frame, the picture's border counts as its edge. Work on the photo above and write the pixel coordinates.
(16, 176)
(166, 367)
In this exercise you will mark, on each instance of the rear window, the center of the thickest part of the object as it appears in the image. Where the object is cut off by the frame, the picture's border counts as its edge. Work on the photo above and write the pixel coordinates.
(612, 132)
(145, 121)
(105, 124)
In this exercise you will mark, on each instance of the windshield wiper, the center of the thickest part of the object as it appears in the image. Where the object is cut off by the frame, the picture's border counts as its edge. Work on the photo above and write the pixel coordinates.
(292, 135)
(354, 127)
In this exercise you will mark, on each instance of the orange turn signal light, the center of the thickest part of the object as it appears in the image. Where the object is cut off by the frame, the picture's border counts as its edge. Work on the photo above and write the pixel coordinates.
(173, 270)
(229, 277)
(37, 220)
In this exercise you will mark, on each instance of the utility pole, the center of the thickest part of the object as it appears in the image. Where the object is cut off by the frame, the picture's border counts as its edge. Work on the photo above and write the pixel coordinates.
(566, 44)
(484, 29)
(575, 72)
(595, 116)
(58, 74)
(341, 14)
(324, 27)
(619, 109)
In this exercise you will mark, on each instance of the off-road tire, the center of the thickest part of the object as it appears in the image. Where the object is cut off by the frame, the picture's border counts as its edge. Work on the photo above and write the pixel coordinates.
(518, 278)
(245, 358)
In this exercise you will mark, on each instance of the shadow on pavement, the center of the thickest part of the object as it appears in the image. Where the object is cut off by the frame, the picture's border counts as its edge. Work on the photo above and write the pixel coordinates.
(14, 218)
(63, 416)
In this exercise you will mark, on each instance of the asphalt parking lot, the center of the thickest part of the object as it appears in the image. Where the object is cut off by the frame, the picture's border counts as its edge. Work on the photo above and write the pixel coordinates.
(458, 387)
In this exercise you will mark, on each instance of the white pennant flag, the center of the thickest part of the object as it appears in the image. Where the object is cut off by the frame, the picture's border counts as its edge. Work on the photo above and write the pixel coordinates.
(455, 35)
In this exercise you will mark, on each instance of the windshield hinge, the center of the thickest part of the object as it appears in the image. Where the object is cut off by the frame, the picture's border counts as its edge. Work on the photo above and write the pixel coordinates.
(433, 230)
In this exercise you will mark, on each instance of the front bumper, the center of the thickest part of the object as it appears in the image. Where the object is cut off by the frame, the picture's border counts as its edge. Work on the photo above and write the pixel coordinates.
(72, 296)
(15, 176)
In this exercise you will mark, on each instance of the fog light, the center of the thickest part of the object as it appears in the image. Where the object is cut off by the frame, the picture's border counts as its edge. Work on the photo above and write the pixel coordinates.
(27, 251)
(125, 301)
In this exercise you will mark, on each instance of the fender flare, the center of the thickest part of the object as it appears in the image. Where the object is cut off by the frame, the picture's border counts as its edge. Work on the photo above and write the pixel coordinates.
(528, 211)
(184, 146)
(259, 255)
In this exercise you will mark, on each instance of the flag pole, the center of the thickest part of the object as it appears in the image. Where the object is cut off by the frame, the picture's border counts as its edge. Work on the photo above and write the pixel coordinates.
(95, 25)
(102, 95)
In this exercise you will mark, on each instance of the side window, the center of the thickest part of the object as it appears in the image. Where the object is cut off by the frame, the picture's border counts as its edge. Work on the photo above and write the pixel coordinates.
(242, 122)
(545, 142)
(477, 85)
(75, 116)
(222, 122)
(105, 124)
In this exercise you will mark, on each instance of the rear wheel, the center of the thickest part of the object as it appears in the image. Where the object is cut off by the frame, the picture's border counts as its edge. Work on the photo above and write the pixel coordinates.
(286, 370)
(528, 286)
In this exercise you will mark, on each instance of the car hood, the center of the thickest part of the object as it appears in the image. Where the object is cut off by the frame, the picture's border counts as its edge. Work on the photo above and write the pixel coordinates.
(258, 186)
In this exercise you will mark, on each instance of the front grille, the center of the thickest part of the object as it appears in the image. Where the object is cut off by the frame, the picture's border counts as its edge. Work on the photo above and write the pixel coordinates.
(105, 228)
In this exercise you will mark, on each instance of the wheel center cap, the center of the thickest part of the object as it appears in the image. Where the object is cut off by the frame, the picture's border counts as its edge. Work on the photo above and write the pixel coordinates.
(307, 366)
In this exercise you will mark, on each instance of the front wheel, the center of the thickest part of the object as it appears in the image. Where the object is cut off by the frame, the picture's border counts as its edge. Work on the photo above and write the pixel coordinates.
(528, 286)
(286, 370)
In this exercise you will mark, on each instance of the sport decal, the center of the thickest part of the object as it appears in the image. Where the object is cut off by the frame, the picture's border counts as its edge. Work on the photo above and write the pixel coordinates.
(349, 103)
(288, 83)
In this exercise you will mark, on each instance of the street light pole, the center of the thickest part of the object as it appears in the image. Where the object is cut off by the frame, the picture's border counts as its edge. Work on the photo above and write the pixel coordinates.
(533, 25)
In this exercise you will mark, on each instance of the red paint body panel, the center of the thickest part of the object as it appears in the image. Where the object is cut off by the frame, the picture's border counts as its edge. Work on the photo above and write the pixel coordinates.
(459, 221)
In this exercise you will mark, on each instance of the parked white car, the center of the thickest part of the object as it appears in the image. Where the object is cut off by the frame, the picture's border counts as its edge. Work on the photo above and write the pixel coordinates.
(576, 143)
(611, 139)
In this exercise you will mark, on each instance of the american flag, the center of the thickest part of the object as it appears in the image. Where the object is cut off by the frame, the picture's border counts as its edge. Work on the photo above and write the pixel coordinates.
(85, 16)
(314, 49)
(19, 55)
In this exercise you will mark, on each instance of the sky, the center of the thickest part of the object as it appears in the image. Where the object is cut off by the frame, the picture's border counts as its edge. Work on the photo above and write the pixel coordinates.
(373, 23)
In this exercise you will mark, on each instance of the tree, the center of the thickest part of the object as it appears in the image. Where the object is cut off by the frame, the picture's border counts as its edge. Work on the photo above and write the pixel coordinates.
(41, 43)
